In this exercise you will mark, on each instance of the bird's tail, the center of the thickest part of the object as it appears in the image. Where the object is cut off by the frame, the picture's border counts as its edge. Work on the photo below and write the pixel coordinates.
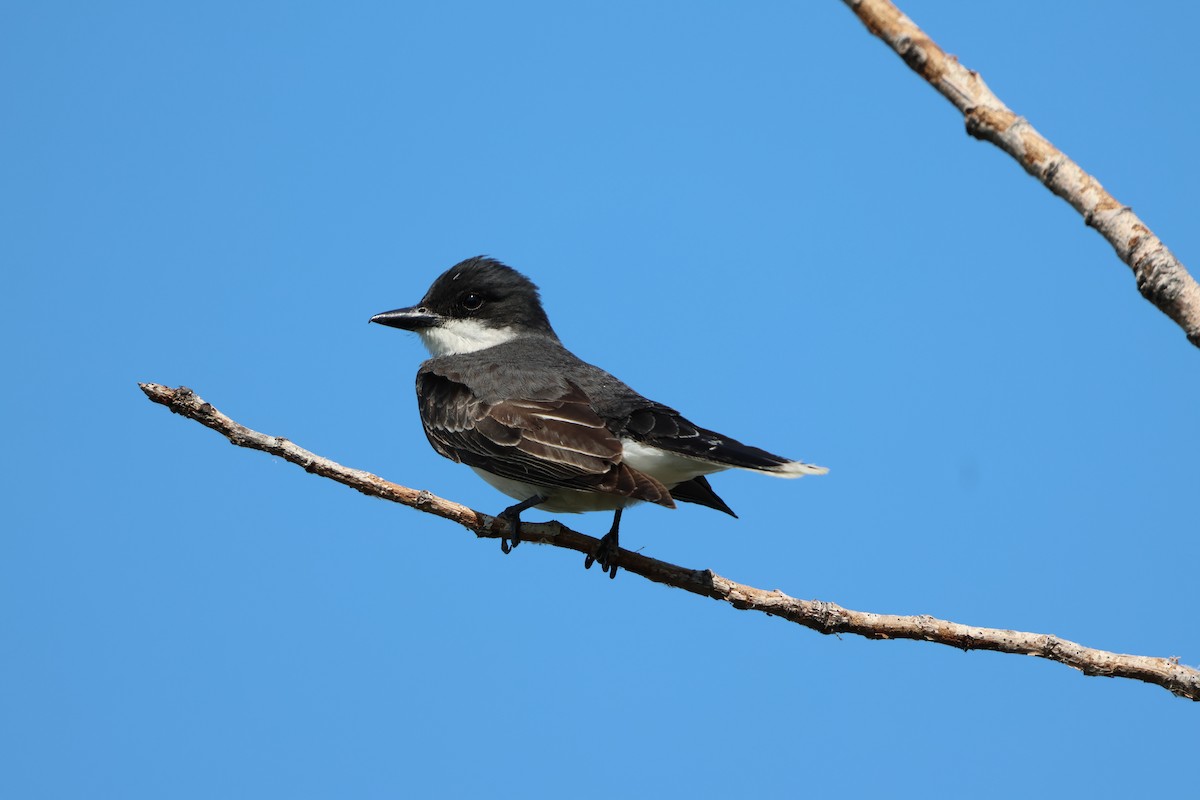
(732, 453)
(662, 428)
(791, 469)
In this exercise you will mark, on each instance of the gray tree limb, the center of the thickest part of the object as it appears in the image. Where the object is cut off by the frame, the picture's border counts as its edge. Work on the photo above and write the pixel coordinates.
(820, 616)
(1160, 277)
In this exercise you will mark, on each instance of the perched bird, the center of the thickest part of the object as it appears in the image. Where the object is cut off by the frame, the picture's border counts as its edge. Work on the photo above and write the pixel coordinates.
(502, 395)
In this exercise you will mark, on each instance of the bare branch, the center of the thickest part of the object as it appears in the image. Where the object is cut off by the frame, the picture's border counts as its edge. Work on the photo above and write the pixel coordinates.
(1160, 277)
(819, 616)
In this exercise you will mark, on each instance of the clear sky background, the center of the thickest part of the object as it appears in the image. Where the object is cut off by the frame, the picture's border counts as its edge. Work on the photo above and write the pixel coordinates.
(751, 211)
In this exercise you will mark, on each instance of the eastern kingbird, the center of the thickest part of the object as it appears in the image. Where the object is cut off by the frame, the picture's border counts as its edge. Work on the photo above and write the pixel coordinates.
(503, 396)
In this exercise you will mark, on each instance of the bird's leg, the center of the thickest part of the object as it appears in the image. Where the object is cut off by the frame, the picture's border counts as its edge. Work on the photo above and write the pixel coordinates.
(607, 551)
(512, 515)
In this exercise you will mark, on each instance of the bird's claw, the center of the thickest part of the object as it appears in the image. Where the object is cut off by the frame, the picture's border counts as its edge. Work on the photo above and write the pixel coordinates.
(606, 554)
(509, 542)
(512, 516)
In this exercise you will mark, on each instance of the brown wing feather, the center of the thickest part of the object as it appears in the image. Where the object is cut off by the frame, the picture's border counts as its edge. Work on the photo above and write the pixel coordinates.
(556, 442)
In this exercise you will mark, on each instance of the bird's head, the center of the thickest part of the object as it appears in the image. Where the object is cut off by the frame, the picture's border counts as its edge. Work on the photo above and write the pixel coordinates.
(476, 304)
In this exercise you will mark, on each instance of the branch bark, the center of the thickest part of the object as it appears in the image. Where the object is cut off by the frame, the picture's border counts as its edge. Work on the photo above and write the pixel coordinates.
(820, 616)
(1161, 278)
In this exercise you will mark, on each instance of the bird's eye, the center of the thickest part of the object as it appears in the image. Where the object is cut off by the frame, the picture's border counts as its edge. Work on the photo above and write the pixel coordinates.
(472, 301)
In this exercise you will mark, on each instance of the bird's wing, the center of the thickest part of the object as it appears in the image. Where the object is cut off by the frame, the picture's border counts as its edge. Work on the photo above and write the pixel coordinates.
(557, 440)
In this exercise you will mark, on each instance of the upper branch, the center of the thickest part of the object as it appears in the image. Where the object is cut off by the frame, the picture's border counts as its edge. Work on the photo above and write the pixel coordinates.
(819, 616)
(1161, 278)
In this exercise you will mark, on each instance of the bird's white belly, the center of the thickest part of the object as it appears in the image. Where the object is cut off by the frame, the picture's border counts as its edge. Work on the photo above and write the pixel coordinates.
(558, 501)
(669, 469)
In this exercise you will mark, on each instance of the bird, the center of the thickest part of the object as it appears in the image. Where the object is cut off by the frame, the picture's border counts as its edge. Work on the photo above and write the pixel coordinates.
(503, 395)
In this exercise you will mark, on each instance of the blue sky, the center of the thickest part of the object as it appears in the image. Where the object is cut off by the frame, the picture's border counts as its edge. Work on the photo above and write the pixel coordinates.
(752, 212)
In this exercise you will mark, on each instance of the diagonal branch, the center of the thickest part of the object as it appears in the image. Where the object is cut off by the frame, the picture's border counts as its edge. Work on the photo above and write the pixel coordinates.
(819, 616)
(1160, 277)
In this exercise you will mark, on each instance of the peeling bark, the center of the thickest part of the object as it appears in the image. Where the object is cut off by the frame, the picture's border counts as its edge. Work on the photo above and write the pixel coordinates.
(1160, 277)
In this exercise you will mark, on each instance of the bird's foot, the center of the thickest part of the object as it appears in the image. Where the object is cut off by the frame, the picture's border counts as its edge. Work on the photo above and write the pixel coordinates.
(606, 554)
(512, 517)
(509, 542)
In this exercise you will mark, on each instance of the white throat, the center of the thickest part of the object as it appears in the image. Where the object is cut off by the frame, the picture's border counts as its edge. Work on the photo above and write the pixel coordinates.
(455, 336)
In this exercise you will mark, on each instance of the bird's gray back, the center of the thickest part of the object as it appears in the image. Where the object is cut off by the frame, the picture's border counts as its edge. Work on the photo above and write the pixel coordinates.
(534, 368)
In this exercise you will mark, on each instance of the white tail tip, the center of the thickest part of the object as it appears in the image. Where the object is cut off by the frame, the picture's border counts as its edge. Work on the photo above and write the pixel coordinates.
(795, 469)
